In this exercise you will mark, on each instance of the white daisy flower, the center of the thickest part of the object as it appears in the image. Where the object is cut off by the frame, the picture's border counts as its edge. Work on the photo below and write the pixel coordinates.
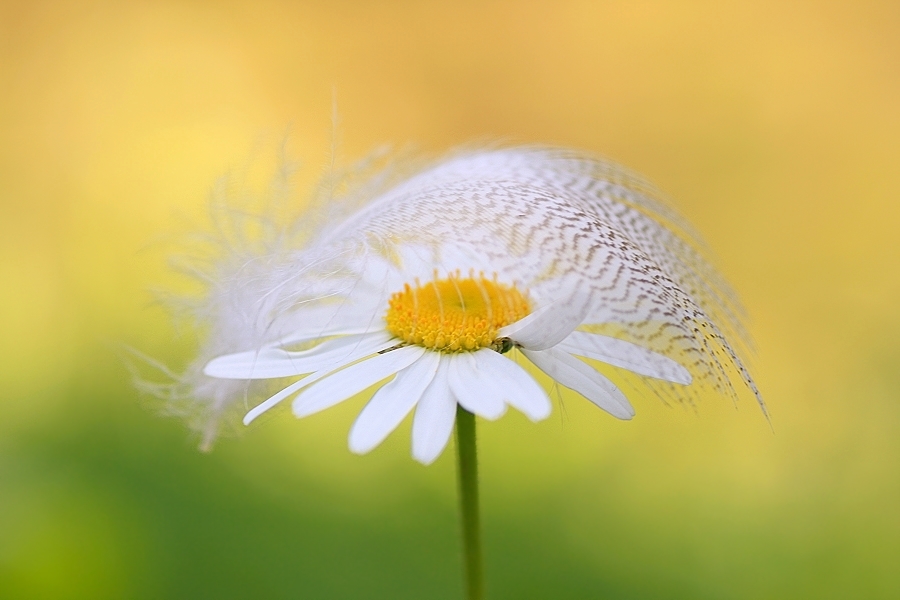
(584, 261)
(441, 342)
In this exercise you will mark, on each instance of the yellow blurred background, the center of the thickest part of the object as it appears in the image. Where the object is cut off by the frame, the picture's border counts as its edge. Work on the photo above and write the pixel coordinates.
(773, 126)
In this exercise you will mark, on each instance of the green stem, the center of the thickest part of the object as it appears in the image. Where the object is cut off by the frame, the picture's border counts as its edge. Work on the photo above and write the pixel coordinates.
(467, 469)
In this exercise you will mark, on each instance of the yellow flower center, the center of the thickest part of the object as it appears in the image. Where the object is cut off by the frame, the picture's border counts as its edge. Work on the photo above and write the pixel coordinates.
(454, 314)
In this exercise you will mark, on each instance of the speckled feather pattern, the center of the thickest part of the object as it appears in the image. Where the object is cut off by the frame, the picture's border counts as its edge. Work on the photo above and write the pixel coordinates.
(577, 228)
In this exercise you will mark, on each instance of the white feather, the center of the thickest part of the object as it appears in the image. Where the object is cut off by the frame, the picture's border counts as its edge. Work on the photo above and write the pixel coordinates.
(570, 230)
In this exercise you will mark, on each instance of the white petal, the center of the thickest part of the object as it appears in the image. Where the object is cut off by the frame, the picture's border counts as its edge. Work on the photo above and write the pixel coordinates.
(270, 362)
(476, 392)
(498, 374)
(342, 384)
(270, 402)
(434, 418)
(392, 403)
(298, 385)
(575, 374)
(545, 327)
(626, 355)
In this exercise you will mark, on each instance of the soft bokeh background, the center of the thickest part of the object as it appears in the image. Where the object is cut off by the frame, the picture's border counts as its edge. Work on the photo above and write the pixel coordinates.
(774, 127)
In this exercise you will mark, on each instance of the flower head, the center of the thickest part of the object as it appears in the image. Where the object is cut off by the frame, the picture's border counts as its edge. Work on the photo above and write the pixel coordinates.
(435, 283)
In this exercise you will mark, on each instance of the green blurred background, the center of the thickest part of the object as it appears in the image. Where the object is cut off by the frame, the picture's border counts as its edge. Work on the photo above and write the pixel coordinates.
(773, 125)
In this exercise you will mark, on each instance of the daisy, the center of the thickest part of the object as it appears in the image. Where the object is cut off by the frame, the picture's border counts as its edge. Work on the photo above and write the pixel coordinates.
(441, 343)
(389, 291)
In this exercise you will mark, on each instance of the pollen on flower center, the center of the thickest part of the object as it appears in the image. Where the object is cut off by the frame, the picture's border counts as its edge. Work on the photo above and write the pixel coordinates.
(454, 314)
